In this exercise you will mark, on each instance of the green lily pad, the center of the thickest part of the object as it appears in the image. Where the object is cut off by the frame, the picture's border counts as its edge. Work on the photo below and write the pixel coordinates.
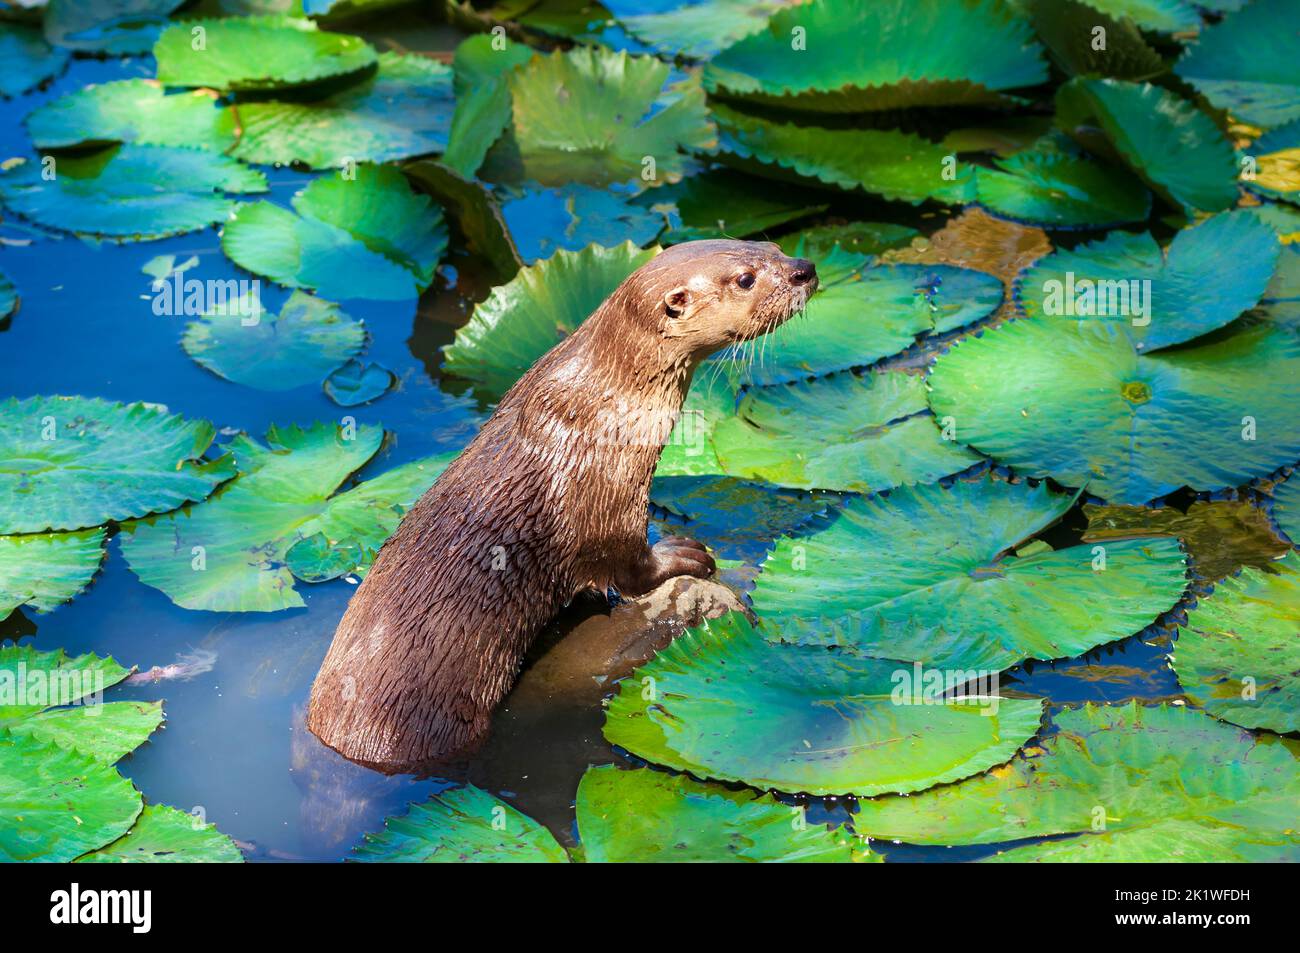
(860, 315)
(544, 221)
(697, 29)
(644, 816)
(952, 584)
(73, 462)
(1125, 777)
(523, 319)
(106, 732)
(316, 559)
(229, 553)
(1068, 30)
(1162, 16)
(864, 238)
(43, 570)
(130, 110)
(56, 803)
(307, 340)
(357, 383)
(1086, 409)
(164, 835)
(404, 109)
(1173, 146)
(1053, 185)
(130, 192)
(725, 705)
(1286, 508)
(873, 432)
(1188, 292)
(255, 53)
(29, 60)
(1238, 655)
(1245, 64)
(721, 203)
(462, 825)
(117, 27)
(597, 117)
(483, 106)
(368, 236)
(896, 165)
(688, 451)
(53, 679)
(901, 54)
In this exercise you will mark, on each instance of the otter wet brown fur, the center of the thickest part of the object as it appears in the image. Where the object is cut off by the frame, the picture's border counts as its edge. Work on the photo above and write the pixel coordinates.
(548, 500)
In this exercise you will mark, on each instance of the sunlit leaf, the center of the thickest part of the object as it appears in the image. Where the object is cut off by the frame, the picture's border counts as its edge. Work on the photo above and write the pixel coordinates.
(164, 835)
(694, 28)
(42, 570)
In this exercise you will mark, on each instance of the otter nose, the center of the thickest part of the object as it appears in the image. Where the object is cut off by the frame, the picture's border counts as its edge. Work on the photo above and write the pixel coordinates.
(803, 271)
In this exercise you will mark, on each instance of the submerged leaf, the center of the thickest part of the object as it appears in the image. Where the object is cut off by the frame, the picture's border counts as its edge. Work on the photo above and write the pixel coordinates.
(723, 704)
(952, 585)
(1139, 783)
(29, 60)
(1238, 656)
(72, 462)
(115, 27)
(358, 383)
(571, 217)
(42, 570)
(462, 825)
(644, 816)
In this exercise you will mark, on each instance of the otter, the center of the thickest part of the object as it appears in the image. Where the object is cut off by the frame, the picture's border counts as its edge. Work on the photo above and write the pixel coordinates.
(549, 500)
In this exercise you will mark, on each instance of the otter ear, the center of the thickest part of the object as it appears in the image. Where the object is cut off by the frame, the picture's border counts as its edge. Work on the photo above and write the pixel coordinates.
(677, 301)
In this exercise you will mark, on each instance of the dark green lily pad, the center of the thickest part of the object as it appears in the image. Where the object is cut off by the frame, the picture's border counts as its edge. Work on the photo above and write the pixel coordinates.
(1238, 656)
(1068, 30)
(29, 60)
(462, 825)
(523, 319)
(723, 704)
(229, 553)
(1085, 408)
(307, 340)
(56, 803)
(597, 117)
(253, 53)
(369, 236)
(358, 383)
(73, 462)
(43, 570)
(901, 54)
(953, 584)
(863, 238)
(1173, 146)
(118, 27)
(644, 816)
(1161, 16)
(886, 162)
(130, 192)
(1246, 63)
(1186, 292)
(164, 835)
(1138, 783)
(721, 203)
(1286, 508)
(873, 432)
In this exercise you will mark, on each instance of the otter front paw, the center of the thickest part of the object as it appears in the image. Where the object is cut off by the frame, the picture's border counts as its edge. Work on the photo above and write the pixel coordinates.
(671, 556)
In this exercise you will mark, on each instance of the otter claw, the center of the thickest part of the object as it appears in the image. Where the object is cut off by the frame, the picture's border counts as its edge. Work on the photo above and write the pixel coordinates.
(680, 556)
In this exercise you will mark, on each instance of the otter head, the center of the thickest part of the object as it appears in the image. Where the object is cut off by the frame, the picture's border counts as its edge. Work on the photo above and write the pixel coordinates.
(710, 295)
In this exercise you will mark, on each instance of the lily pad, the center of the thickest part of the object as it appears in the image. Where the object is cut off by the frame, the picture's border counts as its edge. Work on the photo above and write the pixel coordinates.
(117, 27)
(873, 432)
(544, 221)
(463, 825)
(130, 110)
(483, 105)
(688, 451)
(1277, 158)
(883, 55)
(864, 238)
(307, 340)
(886, 162)
(1286, 508)
(696, 29)
(73, 462)
(8, 296)
(523, 319)
(725, 705)
(1126, 778)
(164, 835)
(953, 584)
(1173, 146)
(1245, 64)
(644, 816)
(1068, 28)
(229, 553)
(1053, 185)
(721, 203)
(129, 192)
(1158, 298)
(1086, 409)
(29, 60)
(1162, 16)
(362, 236)
(256, 53)
(316, 559)
(597, 117)
(358, 383)
(1238, 656)
(56, 803)
(43, 570)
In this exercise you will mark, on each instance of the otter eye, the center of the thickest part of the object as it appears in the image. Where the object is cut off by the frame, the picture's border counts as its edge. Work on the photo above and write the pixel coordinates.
(746, 280)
